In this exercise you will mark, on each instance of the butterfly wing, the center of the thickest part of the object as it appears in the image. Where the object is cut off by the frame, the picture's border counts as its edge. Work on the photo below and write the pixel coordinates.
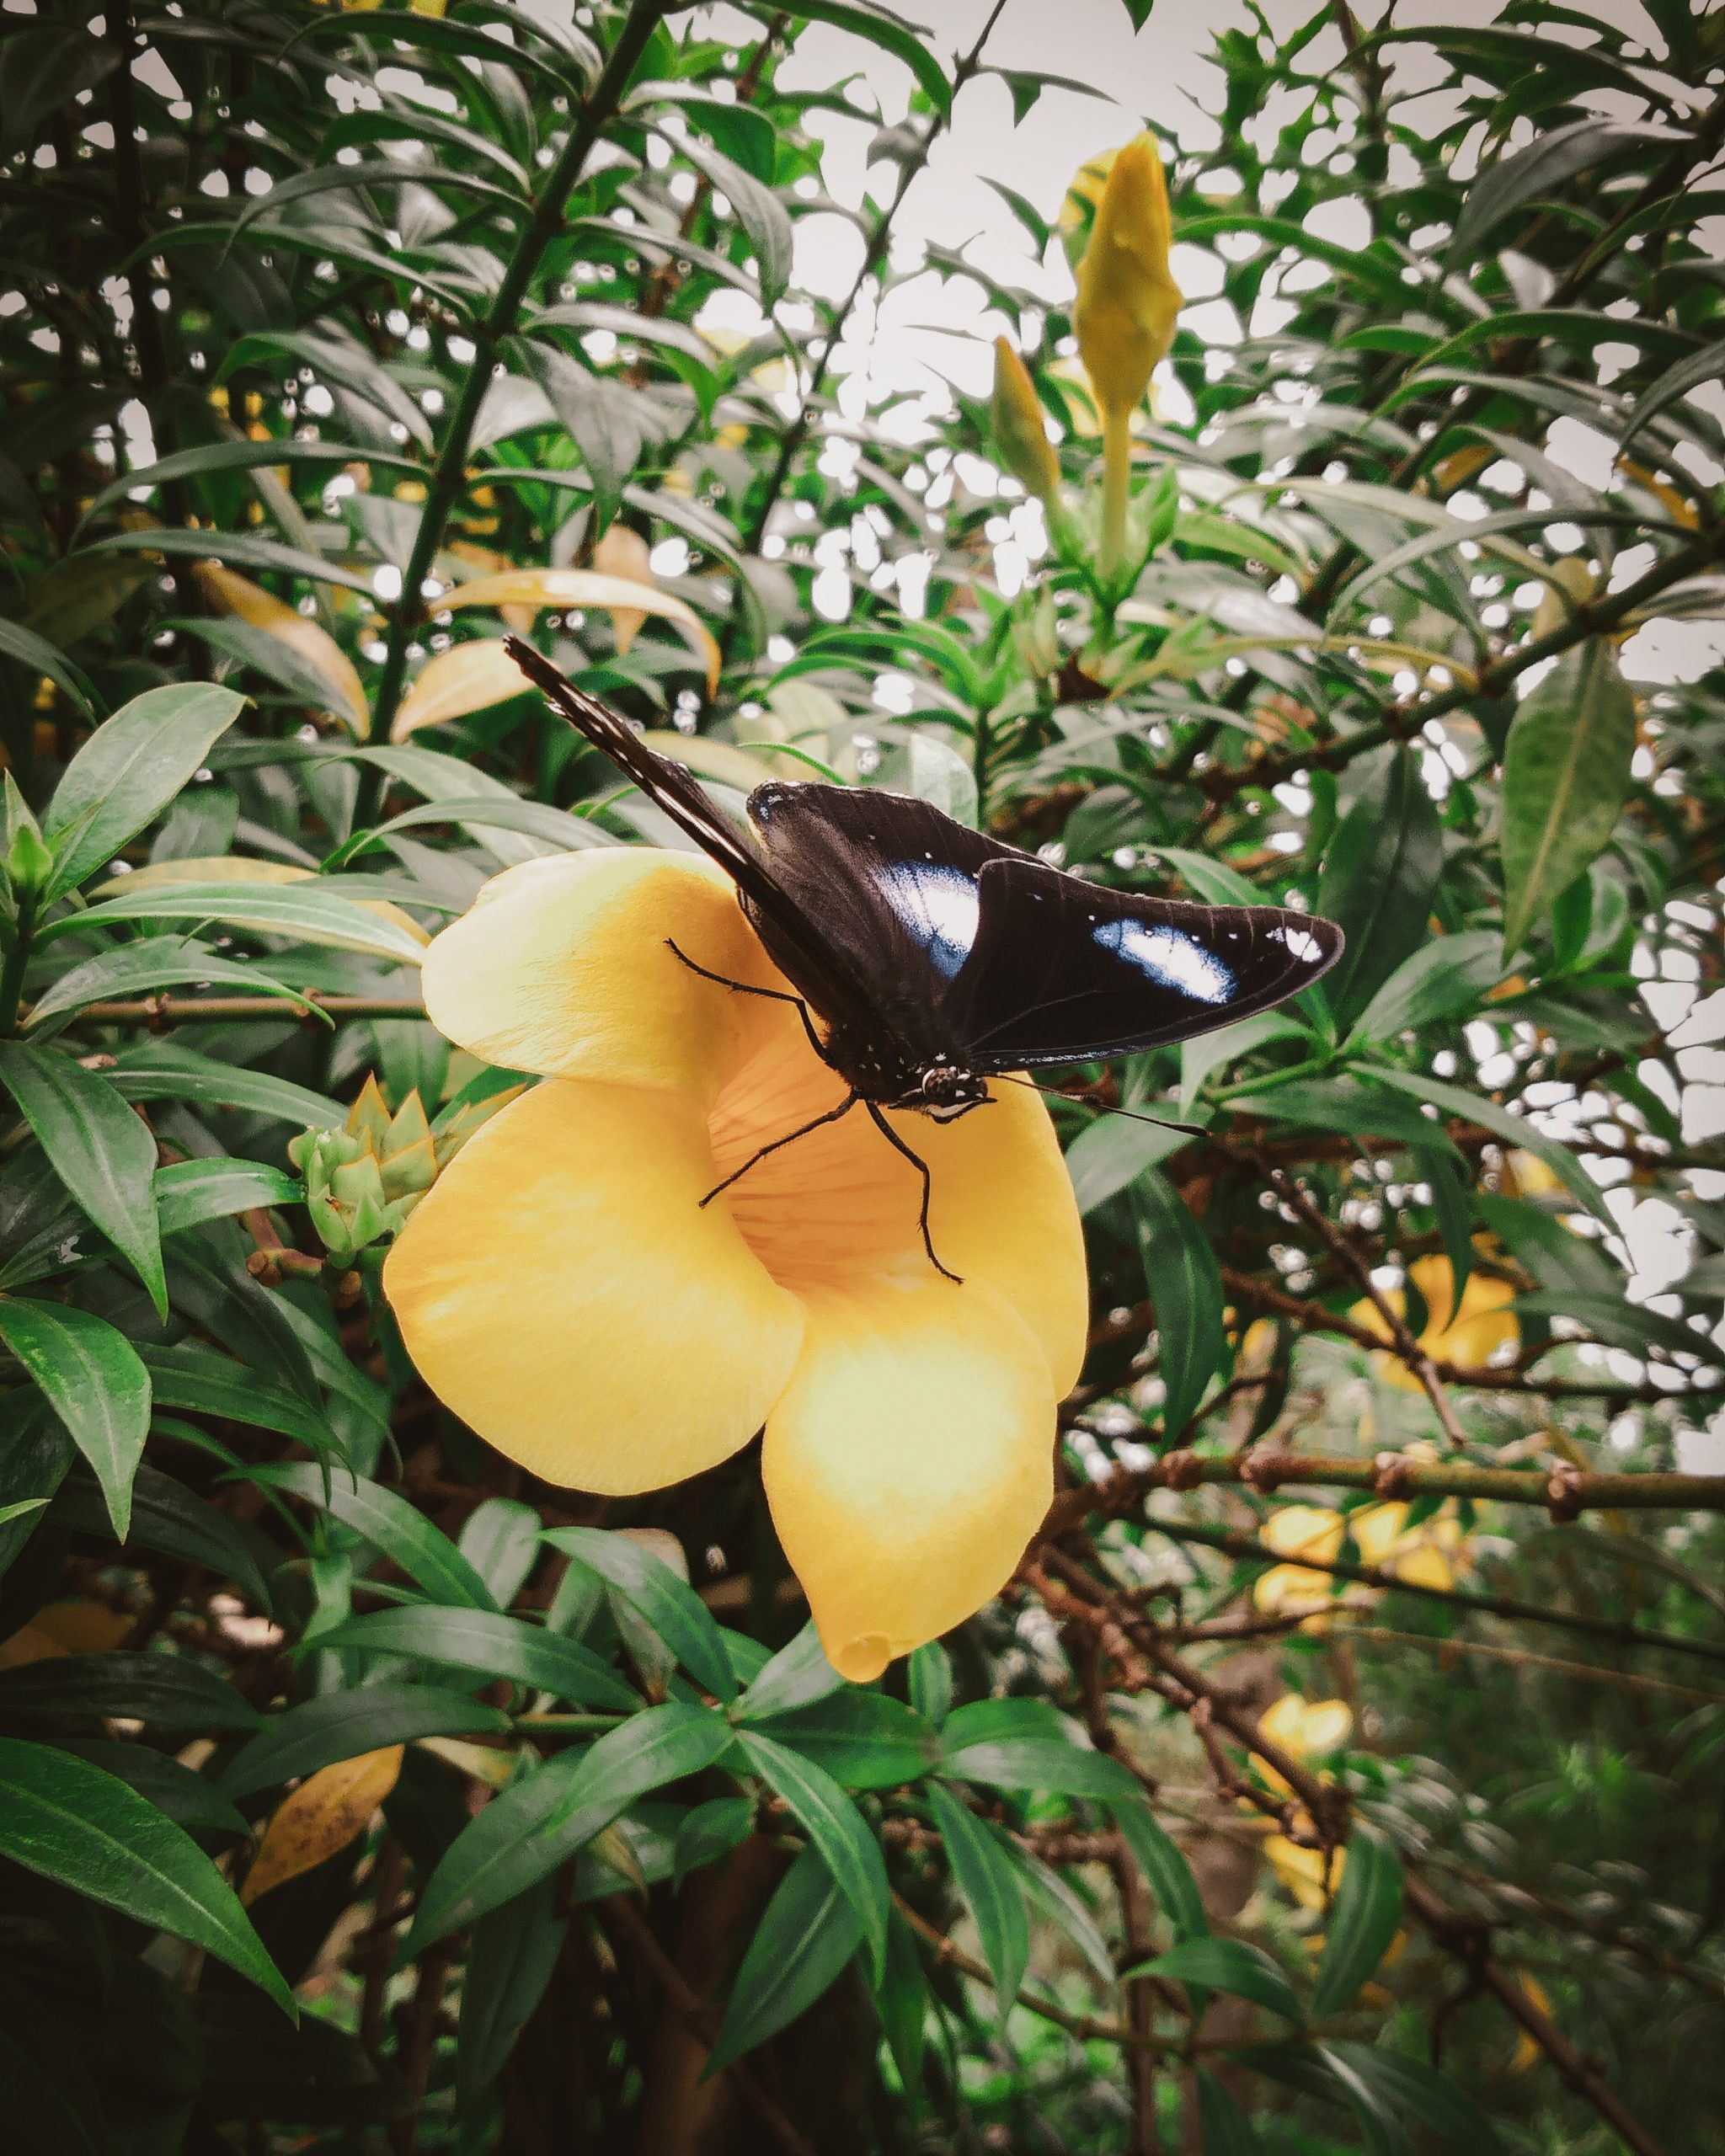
(791, 934)
(1062, 971)
(892, 884)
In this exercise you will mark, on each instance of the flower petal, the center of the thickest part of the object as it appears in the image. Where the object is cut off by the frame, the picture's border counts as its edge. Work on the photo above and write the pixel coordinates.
(561, 1289)
(563, 967)
(839, 1207)
(909, 1462)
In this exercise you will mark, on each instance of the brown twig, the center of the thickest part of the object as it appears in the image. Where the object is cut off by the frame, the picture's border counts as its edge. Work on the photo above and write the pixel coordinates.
(1405, 1345)
(1234, 1545)
(1460, 1935)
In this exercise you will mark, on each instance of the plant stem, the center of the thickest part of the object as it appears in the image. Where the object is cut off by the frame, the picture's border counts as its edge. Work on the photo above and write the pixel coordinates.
(1116, 492)
(16, 959)
(1270, 1467)
(450, 477)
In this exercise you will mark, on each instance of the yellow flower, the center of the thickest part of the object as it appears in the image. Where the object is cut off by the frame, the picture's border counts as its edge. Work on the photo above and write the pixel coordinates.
(564, 1290)
(1304, 1872)
(1020, 432)
(1124, 316)
(1297, 1531)
(1128, 300)
(1308, 1728)
(1467, 1337)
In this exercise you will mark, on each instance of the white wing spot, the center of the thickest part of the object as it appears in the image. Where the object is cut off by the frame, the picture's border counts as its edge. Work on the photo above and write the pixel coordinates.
(1170, 958)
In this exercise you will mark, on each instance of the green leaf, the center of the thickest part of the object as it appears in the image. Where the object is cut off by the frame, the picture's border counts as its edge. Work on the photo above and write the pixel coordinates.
(1503, 1123)
(100, 1151)
(991, 1892)
(1185, 1290)
(65, 1818)
(499, 1539)
(1227, 1964)
(1566, 778)
(145, 968)
(493, 1645)
(862, 1739)
(1621, 1324)
(164, 1072)
(1691, 373)
(1110, 1154)
(92, 1378)
(164, 1691)
(509, 1963)
(34, 651)
(1165, 1870)
(1439, 2103)
(800, 1947)
(1555, 1256)
(1547, 165)
(929, 1674)
(836, 1827)
(544, 1817)
(1036, 1763)
(711, 1830)
(393, 1526)
(35, 1455)
(341, 1725)
(199, 1381)
(669, 1604)
(1449, 1202)
(797, 1676)
(1363, 1920)
(906, 41)
(298, 912)
(44, 67)
(1445, 976)
(1379, 877)
(243, 550)
(902, 2001)
(757, 209)
(1226, 2128)
(176, 1522)
(186, 1797)
(188, 1193)
(129, 770)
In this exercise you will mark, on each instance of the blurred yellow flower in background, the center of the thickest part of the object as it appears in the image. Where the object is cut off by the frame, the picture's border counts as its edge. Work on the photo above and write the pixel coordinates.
(564, 1290)
(1019, 428)
(1467, 1337)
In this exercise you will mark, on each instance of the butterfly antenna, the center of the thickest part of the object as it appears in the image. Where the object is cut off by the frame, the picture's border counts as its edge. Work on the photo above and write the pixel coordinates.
(1132, 1115)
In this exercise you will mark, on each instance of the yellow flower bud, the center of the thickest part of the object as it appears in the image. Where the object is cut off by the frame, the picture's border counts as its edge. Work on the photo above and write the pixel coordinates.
(1128, 300)
(1020, 435)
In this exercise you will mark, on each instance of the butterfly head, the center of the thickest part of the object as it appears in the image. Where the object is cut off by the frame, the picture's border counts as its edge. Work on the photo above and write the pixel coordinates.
(946, 1092)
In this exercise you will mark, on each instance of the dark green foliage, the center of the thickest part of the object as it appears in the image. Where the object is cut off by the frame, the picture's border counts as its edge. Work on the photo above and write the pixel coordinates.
(310, 316)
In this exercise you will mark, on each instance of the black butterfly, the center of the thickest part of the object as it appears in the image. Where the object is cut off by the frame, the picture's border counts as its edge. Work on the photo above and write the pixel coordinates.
(937, 958)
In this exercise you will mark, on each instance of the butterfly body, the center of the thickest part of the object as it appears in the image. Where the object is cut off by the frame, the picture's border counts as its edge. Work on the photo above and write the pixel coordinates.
(937, 958)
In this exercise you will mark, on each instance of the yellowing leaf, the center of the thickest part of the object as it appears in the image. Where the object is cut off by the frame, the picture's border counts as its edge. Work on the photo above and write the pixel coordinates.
(242, 869)
(238, 596)
(468, 677)
(625, 553)
(322, 1816)
(589, 588)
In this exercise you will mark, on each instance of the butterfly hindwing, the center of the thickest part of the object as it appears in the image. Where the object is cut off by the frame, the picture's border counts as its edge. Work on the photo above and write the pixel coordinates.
(1062, 971)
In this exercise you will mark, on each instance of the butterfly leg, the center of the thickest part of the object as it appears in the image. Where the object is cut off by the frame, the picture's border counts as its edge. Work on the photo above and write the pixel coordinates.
(832, 1115)
(921, 1165)
(747, 988)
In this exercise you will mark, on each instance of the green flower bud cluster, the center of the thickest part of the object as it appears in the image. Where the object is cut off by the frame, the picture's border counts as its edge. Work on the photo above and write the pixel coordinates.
(363, 1180)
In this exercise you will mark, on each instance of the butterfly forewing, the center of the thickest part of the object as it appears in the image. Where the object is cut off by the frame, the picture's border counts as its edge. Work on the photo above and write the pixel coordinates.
(1063, 971)
(892, 885)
